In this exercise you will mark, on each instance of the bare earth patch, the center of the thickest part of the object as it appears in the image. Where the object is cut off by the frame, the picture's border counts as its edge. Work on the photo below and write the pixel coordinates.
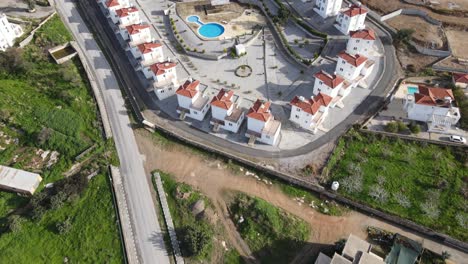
(425, 33)
(457, 40)
(418, 61)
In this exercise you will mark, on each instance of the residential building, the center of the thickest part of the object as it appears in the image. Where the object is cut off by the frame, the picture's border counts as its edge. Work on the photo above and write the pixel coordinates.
(351, 19)
(240, 49)
(136, 34)
(327, 8)
(434, 106)
(161, 71)
(353, 67)
(20, 181)
(225, 113)
(332, 85)
(126, 16)
(310, 113)
(113, 5)
(261, 124)
(361, 42)
(192, 102)
(8, 33)
(148, 53)
(219, 2)
(460, 80)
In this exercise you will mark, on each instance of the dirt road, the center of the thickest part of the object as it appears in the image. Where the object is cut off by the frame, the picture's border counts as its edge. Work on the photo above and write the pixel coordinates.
(213, 178)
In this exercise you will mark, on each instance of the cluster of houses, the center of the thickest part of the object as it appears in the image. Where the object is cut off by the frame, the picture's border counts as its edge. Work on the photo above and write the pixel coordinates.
(8, 33)
(192, 101)
(352, 68)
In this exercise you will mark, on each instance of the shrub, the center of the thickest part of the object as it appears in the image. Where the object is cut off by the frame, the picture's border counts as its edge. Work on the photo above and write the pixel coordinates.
(401, 126)
(195, 239)
(391, 127)
(415, 128)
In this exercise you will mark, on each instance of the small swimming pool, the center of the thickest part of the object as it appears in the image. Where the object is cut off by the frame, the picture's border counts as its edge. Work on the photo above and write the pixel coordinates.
(208, 30)
(413, 89)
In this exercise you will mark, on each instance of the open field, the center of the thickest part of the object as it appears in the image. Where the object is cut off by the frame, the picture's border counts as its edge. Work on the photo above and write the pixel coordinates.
(426, 33)
(213, 177)
(457, 40)
(271, 233)
(424, 183)
(386, 6)
(47, 118)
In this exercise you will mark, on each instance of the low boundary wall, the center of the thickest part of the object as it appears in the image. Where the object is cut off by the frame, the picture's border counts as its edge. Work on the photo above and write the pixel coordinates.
(168, 219)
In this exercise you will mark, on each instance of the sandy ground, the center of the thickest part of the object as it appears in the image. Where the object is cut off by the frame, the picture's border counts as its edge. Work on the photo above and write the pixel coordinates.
(386, 6)
(457, 40)
(213, 178)
(418, 60)
(424, 33)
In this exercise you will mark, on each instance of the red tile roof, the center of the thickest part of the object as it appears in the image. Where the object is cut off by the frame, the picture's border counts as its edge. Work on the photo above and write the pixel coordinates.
(354, 60)
(223, 99)
(355, 10)
(312, 105)
(433, 96)
(123, 12)
(112, 3)
(329, 79)
(189, 88)
(135, 29)
(148, 47)
(367, 34)
(260, 111)
(460, 77)
(161, 67)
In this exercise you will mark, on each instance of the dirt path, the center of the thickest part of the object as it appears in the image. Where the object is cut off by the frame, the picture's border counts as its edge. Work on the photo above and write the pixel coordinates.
(212, 179)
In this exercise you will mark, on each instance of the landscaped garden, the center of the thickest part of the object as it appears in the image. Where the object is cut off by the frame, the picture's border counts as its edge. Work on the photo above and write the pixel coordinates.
(425, 183)
(273, 235)
(47, 118)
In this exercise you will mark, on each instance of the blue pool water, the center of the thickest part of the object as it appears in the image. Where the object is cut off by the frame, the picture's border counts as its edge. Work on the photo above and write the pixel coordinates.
(413, 90)
(209, 30)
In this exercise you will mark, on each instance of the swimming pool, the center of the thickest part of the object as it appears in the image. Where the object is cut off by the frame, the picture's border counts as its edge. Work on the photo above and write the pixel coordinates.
(413, 89)
(208, 30)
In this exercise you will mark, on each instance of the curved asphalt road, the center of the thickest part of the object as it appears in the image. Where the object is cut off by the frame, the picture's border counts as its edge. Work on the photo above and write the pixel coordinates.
(147, 233)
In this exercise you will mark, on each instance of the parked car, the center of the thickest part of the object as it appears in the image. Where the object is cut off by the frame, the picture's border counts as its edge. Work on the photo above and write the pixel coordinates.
(457, 139)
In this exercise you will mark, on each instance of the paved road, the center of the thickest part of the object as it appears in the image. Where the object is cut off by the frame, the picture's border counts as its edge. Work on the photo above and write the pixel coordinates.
(148, 236)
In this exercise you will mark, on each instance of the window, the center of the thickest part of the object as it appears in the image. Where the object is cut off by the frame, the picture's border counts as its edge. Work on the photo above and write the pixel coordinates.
(297, 117)
(320, 82)
(195, 112)
(368, 42)
(343, 62)
(346, 18)
(230, 124)
(298, 110)
(267, 136)
(358, 40)
(355, 48)
(341, 69)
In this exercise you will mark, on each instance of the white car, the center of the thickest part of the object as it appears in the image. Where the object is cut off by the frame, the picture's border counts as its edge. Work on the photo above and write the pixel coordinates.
(457, 139)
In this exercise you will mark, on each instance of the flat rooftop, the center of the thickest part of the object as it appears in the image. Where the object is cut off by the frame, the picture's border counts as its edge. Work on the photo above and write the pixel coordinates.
(18, 180)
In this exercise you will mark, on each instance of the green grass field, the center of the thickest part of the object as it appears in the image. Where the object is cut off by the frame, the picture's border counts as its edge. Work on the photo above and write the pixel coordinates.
(425, 183)
(273, 235)
(49, 106)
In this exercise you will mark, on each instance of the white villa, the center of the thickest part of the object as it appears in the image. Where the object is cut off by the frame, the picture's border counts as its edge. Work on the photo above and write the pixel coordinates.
(433, 106)
(126, 16)
(310, 113)
(225, 113)
(136, 34)
(261, 124)
(161, 71)
(332, 85)
(113, 5)
(8, 33)
(327, 8)
(148, 53)
(192, 103)
(353, 67)
(361, 42)
(351, 19)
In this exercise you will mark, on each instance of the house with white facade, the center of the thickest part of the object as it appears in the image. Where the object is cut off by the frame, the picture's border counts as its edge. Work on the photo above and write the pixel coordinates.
(126, 16)
(353, 67)
(327, 8)
(460, 80)
(261, 124)
(113, 5)
(136, 34)
(148, 53)
(434, 106)
(8, 33)
(164, 76)
(332, 85)
(361, 42)
(351, 19)
(225, 113)
(191, 101)
(310, 113)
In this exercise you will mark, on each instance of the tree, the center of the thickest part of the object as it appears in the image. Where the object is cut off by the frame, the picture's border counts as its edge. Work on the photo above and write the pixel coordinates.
(404, 35)
(11, 61)
(65, 226)
(283, 15)
(445, 255)
(196, 238)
